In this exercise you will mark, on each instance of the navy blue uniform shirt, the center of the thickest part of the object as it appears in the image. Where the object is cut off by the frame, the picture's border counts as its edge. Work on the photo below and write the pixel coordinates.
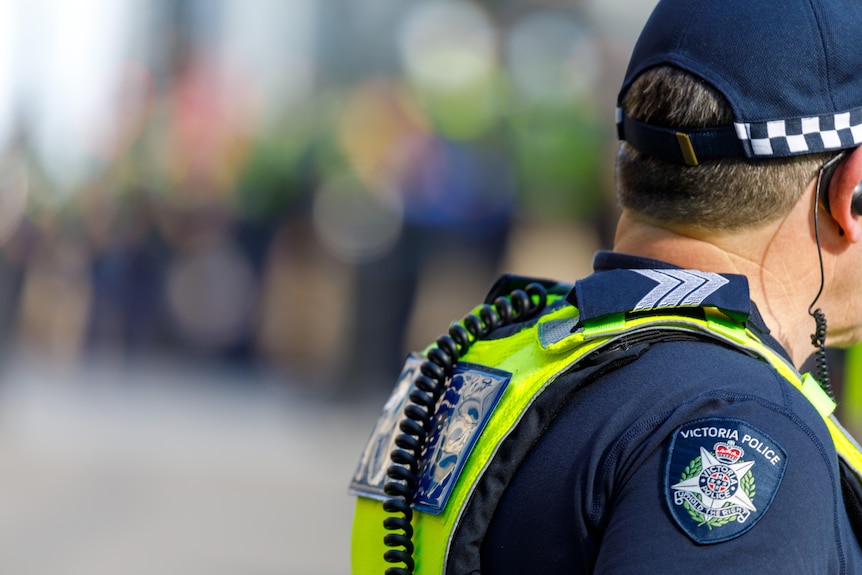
(693, 458)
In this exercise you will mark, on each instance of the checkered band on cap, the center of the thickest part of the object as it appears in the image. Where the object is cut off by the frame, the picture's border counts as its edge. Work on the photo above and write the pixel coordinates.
(802, 135)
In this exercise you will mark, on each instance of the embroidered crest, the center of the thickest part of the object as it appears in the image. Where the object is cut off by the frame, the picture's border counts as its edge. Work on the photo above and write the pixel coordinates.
(722, 475)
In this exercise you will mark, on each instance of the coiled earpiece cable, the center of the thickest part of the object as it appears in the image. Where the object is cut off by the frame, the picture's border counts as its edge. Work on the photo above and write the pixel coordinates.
(428, 386)
(818, 338)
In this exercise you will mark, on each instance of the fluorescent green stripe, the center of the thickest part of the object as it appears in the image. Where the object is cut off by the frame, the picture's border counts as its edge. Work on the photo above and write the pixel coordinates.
(818, 397)
(607, 325)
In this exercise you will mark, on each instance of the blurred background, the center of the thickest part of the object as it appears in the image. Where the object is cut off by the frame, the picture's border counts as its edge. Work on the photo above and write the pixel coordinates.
(224, 222)
(272, 186)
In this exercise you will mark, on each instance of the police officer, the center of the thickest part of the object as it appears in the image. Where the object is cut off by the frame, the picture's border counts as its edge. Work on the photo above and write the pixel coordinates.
(651, 417)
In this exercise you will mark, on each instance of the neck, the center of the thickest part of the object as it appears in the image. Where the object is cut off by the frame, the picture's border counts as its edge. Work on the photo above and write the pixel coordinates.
(783, 276)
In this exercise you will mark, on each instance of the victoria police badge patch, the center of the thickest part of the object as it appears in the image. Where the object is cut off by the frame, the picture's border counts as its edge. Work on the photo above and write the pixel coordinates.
(722, 475)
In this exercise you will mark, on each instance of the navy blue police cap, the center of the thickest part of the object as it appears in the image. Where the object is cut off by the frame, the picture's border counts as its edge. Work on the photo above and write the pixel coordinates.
(791, 70)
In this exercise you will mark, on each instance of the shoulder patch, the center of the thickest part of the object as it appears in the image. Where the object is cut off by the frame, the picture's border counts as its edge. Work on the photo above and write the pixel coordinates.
(722, 475)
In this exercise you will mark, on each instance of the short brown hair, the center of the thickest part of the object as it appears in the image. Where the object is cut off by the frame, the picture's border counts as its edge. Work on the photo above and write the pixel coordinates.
(723, 194)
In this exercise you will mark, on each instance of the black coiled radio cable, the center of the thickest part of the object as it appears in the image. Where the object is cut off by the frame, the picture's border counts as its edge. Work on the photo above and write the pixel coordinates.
(818, 338)
(428, 386)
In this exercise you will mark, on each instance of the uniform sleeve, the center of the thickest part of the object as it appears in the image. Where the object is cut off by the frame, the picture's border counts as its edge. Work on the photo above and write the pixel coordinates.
(726, 482)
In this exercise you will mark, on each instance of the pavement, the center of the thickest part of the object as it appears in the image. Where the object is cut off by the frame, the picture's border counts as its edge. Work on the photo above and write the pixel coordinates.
(166, 470)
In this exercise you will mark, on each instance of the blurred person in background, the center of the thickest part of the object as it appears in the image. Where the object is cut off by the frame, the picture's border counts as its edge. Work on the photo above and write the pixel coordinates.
(431, 157)
(457, 200)
(652, 417)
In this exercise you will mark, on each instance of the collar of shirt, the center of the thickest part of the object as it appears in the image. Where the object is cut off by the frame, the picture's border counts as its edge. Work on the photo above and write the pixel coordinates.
(623, 283)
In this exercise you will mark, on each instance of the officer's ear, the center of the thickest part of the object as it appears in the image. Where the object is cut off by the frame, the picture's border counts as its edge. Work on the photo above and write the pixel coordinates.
(845, 196)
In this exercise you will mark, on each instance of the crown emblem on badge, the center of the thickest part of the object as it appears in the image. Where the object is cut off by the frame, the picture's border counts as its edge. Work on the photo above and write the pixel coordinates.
(728, 452)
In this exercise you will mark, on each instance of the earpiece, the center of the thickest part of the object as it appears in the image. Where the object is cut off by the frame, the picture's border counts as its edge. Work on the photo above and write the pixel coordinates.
(856, 202)
(826, 173)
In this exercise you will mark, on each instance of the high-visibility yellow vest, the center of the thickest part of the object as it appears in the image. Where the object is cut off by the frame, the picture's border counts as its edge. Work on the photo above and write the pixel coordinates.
(532, 359)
